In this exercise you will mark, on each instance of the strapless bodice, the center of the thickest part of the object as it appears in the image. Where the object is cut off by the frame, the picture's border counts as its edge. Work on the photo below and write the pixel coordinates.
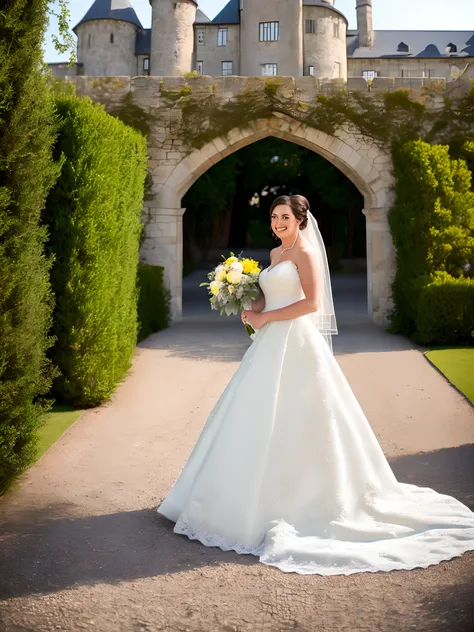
(281, 285)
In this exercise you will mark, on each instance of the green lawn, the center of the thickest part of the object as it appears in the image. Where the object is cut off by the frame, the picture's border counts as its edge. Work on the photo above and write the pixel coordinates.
(457, 364)
(58, 420)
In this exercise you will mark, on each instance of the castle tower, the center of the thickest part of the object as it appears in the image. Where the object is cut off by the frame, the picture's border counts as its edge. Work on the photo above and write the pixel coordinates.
(172, 39)
(106, 38)
(271, 39)
(325, 40)
(364, 23)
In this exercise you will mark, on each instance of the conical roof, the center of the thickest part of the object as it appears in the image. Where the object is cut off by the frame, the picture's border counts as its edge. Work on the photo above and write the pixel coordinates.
(111, 10)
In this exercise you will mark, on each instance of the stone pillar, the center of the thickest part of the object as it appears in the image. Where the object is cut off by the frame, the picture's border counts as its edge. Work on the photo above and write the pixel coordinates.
(163, 246)
(380, 264)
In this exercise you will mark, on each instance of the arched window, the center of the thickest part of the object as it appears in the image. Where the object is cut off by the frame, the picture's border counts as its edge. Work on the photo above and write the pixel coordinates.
(111, 38)
(403, 48)
(451, 48)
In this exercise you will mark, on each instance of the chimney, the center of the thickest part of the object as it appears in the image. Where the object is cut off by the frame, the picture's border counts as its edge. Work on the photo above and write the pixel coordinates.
(364, 23)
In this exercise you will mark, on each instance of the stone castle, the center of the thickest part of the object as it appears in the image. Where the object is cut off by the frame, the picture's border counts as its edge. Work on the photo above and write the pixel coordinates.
(260, 37)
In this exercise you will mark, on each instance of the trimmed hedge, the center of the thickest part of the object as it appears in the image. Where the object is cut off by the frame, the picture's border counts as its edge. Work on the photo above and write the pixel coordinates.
(27, 171)
(153, 302)
(93, 215)
(445, 314)
(432, 226)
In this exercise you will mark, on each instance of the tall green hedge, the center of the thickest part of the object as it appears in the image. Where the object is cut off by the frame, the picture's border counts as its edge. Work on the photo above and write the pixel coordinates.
(153, 302)
(432, 225)
(27, 171)
(445, 313)
(93, 215)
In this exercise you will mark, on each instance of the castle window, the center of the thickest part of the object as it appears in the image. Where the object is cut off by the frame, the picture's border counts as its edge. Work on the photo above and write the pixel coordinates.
(200, 67)
(370, 74)
(200, 38)
(310, 26)
(311, 71)
(269, 31)
(111, 38)
(222, 36)
(336, 30)
(146, 64)
(89, 41)
(227, 68)
(269, 70)
(403, 48)
(404, 72)
(337, 70)
(451, 48)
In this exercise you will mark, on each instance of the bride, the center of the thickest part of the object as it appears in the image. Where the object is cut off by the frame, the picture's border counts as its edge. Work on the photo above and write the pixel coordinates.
(287, 467)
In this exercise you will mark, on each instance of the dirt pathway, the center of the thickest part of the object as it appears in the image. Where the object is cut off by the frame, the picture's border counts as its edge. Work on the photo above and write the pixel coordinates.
(82, 548)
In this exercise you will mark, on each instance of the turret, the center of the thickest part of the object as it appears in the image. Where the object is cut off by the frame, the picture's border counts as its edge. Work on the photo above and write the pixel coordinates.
(270, 40)
(106, 38)
(364, 23)
(172, 37)
(325, 40)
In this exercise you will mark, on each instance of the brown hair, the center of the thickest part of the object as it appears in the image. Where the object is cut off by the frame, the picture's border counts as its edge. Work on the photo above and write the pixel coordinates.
(298, 204)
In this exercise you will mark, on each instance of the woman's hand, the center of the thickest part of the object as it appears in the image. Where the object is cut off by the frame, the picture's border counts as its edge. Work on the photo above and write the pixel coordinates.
(256, 319)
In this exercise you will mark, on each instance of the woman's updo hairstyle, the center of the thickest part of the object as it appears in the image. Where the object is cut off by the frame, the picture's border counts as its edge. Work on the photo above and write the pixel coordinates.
(298, 204)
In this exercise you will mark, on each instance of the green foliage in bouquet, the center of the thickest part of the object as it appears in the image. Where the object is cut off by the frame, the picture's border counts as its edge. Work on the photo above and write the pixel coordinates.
(94, 219)
(28, 128)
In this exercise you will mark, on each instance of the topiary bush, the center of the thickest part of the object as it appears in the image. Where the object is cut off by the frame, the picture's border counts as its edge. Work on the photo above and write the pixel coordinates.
(432, 224)
(27, 171)
(445, 311)
(153, 302)
(93, 216)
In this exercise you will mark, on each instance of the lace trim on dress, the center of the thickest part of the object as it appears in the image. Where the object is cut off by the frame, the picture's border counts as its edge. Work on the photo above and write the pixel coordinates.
(183, 527)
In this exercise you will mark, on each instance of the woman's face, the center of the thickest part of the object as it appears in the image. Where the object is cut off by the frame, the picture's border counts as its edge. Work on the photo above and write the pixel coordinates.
(284, 223)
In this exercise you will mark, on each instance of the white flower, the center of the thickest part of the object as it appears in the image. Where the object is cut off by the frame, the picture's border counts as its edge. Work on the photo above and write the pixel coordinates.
(235, 277)
(236, 266)
(231, 289)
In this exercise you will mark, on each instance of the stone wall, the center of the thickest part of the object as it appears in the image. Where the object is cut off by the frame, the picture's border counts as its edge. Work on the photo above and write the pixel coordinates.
(286, 52)
(212, 55)
(414, 67)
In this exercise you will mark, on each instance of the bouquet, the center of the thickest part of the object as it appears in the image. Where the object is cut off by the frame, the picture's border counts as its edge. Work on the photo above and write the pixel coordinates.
(233, 286)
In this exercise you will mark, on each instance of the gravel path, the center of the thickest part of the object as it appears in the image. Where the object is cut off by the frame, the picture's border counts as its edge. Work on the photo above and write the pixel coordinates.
(82, 548)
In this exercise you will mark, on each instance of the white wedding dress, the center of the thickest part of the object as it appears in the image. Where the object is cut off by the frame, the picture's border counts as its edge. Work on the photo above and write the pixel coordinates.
(287, 467)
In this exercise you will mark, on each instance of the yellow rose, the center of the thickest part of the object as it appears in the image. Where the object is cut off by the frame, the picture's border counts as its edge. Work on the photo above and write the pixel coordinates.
(229, 261)
(234, 277)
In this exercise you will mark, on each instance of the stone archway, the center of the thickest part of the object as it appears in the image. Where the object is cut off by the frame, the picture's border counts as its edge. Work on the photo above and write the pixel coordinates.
(364, 163)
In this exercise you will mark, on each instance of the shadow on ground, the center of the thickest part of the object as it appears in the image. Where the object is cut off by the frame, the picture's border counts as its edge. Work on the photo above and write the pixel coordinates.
(52, 549)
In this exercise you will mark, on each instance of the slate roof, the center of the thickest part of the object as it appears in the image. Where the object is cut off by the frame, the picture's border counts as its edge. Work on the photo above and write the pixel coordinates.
(410, 44)
(111, 10)
(230, 14)
(201, 18)
(143, 42)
